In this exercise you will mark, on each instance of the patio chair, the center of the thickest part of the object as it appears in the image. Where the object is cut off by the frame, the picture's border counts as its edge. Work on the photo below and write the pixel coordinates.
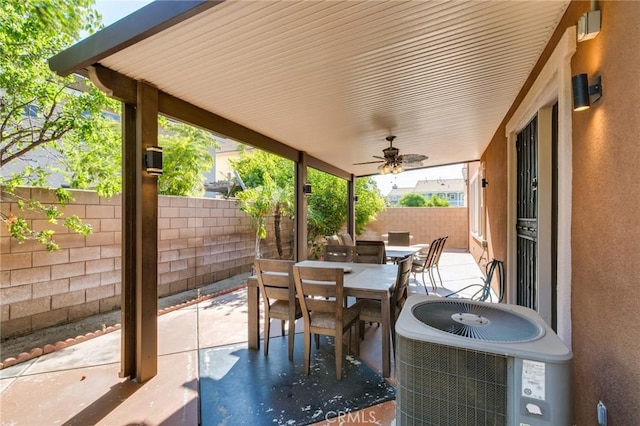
(346, 239)
(371, 310)
(275, 280)
(395, 238)
(484, 292)
(321, 296)
(333, 253)
(436, 260)
(333, 240)
(370, 252)
(425, 261)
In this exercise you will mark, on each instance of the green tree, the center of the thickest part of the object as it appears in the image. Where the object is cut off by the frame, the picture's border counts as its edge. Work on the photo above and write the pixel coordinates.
(435, 201)
(256, 202)
(38, 108)
(327, 204)
(185, 158)
(70, 120)
(369, 203)
(412, 200)
(92, 161)
(269, 179)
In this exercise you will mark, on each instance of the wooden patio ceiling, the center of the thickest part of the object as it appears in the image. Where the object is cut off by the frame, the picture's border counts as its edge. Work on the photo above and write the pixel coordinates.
(332, 79)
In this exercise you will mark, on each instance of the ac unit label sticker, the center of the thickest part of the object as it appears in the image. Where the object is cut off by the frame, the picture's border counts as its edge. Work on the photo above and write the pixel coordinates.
(533, 380)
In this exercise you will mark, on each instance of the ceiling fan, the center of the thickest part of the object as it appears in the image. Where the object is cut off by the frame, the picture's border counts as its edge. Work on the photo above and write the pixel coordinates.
(393, 162)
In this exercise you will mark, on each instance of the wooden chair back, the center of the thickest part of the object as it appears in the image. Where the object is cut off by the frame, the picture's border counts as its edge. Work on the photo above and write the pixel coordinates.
(334, 253)
(333, 240)
(320, 290)
(346, 239)
(275, 279)
(397, 238)
(401, 290)
(370, 252)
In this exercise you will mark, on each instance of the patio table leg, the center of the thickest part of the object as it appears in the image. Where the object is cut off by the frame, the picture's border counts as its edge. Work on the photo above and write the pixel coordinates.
(386, 335)
(253, 313)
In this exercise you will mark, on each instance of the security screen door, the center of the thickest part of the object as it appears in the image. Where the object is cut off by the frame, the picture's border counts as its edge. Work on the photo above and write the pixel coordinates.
(532, 271)
(527, 216)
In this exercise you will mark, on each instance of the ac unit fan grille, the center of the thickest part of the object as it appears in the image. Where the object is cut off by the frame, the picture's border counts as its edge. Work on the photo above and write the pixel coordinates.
(477, 321)
(447, 386)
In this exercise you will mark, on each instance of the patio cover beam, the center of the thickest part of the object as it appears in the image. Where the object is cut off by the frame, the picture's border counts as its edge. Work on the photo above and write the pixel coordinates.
(123, 88)
(143, 23)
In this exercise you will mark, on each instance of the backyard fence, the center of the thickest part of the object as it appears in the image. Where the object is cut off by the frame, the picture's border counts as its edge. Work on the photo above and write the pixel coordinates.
(200, 241)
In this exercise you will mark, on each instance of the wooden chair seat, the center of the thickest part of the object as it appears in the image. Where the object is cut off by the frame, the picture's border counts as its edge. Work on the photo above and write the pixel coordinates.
(327, 320)
(280, 309)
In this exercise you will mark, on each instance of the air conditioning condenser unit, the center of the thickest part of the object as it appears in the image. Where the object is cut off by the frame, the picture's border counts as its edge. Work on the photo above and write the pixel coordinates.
(462, 362)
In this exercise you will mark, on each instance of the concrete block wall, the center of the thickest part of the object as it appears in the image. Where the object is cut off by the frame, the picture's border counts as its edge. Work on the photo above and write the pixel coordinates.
(424, 223)
(200, 241)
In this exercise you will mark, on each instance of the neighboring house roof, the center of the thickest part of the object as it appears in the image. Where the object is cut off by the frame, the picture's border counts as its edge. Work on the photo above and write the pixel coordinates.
(431, 186)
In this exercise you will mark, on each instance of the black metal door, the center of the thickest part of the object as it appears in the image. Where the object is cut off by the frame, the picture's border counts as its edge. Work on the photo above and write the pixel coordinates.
(527, 215)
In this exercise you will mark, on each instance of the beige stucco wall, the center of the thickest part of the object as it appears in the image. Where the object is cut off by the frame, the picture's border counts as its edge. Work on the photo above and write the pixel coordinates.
(201, 241)
(605, 229)
(424, 223)
(605, 235)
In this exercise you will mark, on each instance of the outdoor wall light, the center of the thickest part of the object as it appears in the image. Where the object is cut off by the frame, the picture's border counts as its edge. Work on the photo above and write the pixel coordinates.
(306, 189)
(583, 94)
(153, 160)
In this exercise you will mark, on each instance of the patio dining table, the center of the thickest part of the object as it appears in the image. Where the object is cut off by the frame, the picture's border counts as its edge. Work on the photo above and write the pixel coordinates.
(399, 252)
(362, 280)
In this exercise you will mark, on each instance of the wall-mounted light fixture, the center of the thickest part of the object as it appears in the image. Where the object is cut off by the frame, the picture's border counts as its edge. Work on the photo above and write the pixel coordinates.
(306, 189)
(583, 94)
(589, 25)
(153, 160)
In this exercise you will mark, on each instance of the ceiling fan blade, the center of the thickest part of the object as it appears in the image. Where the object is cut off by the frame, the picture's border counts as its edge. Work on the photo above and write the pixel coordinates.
(412, 165)
(412, 158)
(369, 162)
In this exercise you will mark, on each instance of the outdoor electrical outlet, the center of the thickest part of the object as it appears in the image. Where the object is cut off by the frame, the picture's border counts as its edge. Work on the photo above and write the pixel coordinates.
(602, 414)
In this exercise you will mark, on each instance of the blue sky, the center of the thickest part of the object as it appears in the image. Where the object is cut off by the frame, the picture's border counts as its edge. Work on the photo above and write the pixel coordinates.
(113, 10)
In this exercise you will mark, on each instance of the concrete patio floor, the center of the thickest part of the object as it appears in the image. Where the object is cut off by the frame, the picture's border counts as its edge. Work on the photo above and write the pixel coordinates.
(79, 385)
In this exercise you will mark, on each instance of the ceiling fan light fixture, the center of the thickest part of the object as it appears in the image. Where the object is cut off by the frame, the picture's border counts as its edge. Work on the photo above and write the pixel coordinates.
(393, 162)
